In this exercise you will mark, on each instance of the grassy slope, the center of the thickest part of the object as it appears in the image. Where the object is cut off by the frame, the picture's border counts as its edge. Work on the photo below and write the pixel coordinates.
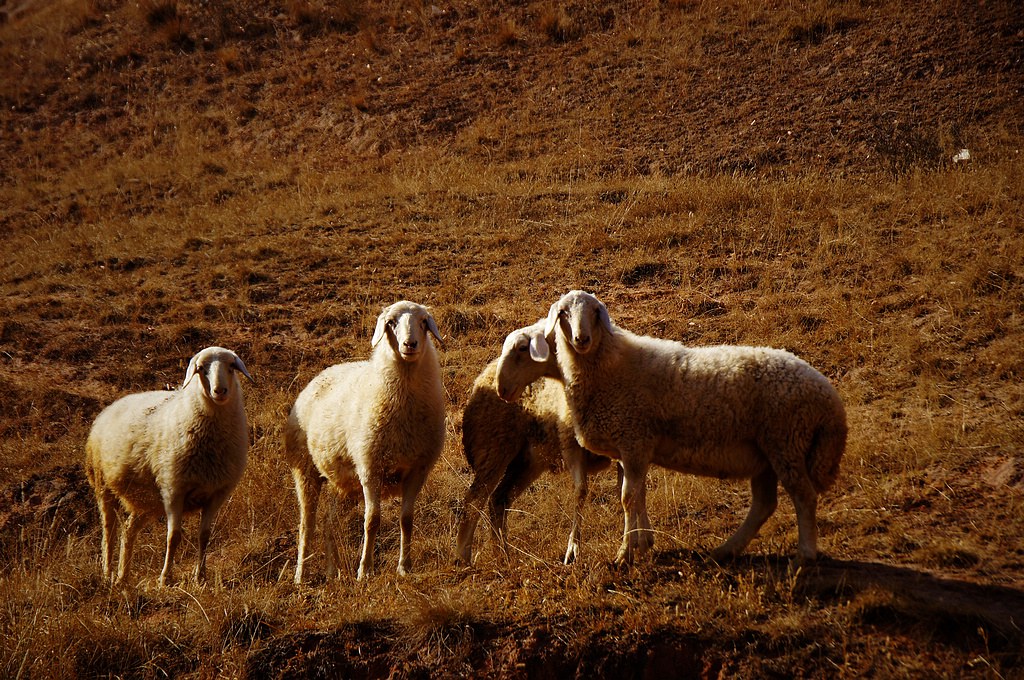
(267, 177)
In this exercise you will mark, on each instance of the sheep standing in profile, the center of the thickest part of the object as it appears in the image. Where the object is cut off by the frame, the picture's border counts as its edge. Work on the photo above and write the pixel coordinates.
(375, 427)
(170, 453)
(511, 438)
(729, 411)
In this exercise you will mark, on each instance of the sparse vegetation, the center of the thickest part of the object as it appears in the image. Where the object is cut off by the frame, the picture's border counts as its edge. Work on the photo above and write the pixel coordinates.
(268, 176)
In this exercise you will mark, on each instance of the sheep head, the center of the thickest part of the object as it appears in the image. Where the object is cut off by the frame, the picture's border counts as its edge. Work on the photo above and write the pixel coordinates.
(216, 368)
(578, 315)
(525, 357)
(406, 325)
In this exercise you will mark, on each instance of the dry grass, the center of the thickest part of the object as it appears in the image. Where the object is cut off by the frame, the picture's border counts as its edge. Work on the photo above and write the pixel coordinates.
(164, 197)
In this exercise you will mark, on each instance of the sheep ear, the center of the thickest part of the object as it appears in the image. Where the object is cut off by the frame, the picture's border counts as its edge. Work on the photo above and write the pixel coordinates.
(378, 332)
(602, 316)
(190, 372)
(552, 320)
(539, 349)
(432, 327)
(238, 365)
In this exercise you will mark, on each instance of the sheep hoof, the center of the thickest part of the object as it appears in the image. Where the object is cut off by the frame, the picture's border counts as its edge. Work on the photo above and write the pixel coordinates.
(803, 559)
(463, 557)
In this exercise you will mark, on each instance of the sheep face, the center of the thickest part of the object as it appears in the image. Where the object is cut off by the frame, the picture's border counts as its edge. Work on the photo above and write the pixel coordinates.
(406, 324)
(216, 367)
(523, 360)
(577, 314)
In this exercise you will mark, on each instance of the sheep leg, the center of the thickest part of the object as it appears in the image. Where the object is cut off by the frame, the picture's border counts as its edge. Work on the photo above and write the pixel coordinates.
(497, 509)
(644, 536)
(371, 523)
(331, 521)
(307, 489)
(634, 498)
(472, 508)
(107, 503)
(647, 535)
(521, 472)
(174, 511)
(805, 501)
(764, 495)
(579, 479)
(410, 491)
(130, 529)
(207, 517)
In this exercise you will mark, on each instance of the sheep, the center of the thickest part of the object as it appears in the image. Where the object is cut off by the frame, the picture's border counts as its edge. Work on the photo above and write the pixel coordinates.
(377, 426)
(509, 442)
(727, 411)
(170, 452)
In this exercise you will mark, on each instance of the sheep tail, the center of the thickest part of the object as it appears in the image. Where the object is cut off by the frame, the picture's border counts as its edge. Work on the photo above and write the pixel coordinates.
(825, 453)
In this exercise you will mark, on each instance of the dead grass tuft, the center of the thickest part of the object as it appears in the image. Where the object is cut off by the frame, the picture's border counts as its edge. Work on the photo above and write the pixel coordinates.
(558, 26)
(506, 34)
(315, 16)
(439, 624)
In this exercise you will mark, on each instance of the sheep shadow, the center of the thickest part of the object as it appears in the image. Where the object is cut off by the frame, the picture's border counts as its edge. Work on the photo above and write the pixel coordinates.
(900, 599)
(953, 607)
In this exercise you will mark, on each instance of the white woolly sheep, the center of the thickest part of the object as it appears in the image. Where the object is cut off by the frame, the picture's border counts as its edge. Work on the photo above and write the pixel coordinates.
(170, 453)
(729, 411)
(375, 426)
(510, 441)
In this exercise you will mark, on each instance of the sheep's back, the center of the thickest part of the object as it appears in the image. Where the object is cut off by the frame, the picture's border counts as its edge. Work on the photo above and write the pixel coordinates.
(124, 429)
(333, 398)
(704, 404)
(122, 446)
(764, 380)
(363, 417)
(495, 431)
(736, 378)
(485, 417)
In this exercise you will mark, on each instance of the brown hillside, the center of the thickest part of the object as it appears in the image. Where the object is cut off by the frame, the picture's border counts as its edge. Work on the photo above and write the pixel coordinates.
(267, 176)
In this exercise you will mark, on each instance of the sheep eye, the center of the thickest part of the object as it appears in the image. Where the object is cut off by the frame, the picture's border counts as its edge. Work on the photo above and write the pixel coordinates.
(392, 323)
(563, 313)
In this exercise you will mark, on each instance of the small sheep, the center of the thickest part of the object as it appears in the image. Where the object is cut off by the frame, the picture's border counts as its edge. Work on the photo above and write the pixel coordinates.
(375, 426)
(170, 453)
(509, 442)
(728, 411)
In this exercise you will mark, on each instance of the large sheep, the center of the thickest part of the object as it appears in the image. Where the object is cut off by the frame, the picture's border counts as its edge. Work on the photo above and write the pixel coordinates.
(170, 453)
(373, 427)
(510, 441)
(727, 411)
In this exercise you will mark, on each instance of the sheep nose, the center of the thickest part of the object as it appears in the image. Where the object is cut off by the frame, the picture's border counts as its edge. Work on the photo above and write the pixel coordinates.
(220, 391)
(582, 340)
(410, 344)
